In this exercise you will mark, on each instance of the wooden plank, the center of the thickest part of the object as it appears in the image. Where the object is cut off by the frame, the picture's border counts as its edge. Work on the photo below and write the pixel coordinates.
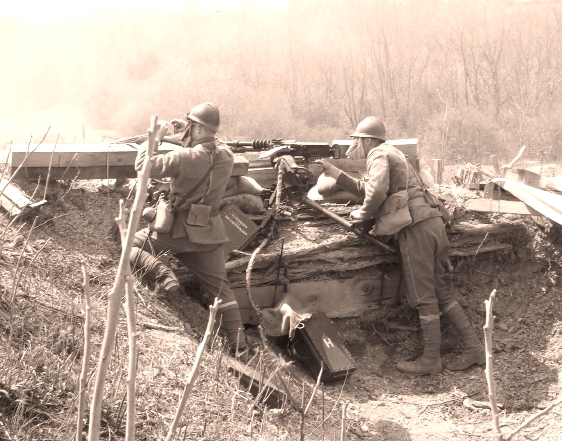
(499, 206)
(336, 298)
(14, 194)
(15, 201)
(95, 161)
(257, 384)
(265, 176)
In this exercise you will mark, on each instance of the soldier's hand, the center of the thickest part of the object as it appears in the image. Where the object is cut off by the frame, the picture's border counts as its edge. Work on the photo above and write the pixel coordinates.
(329, 169)
(355, 215)
(179, 124)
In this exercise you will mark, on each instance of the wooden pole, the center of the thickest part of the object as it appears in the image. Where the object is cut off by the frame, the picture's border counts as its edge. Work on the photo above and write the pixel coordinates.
(488, 329)
(87, 353)
(194, 374)
(121, 279)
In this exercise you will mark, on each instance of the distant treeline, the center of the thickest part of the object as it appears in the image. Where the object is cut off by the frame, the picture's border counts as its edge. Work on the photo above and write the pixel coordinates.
(469, 78)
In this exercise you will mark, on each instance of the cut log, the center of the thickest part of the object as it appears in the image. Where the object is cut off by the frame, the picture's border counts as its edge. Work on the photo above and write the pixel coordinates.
(86, 161)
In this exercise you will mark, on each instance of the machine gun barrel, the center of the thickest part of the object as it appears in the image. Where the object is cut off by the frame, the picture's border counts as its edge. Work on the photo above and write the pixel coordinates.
(348, 225)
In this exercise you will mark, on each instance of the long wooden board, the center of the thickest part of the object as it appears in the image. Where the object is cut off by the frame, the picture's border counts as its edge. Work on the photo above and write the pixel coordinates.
(499, 206)
(336, 298)
(86, 161)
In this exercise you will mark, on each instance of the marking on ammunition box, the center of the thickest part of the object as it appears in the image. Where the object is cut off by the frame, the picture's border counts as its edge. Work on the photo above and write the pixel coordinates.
(328, 343)
(238, 224)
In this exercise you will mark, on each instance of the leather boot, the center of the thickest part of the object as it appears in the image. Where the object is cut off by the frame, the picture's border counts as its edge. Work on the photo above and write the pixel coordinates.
(164, 278)
(430, 362)
(473, 350)
(231, 323)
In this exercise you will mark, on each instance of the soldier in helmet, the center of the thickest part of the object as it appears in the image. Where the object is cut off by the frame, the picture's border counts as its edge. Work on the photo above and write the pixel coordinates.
(423, 245)
(198, 174)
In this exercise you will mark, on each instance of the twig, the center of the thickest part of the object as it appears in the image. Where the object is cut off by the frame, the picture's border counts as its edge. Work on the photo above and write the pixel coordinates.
(17, 276)
(131, 331)
(87, 353)
(531, 419)
(315, 387)
(481, 243)
(158, 327)
(488, 329)
(195, 369)
(49, 171)
(343, 422)
(249, 271)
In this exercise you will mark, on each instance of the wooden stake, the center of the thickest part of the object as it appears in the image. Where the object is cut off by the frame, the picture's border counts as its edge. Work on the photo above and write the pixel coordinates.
(87, 353)
(194, 374)
(121, 279)
(488, 329)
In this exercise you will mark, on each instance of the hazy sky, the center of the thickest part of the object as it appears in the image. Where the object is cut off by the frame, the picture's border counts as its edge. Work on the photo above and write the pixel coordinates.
(48, 12)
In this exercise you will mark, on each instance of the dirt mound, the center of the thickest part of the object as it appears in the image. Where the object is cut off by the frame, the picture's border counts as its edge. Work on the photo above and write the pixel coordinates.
(382, 403)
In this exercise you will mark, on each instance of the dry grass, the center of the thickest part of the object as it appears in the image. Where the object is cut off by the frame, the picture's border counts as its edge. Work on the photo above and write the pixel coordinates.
(41, 345)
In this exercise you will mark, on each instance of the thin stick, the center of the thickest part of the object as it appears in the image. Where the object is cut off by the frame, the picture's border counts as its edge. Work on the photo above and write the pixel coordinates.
(86, 357)
(131, 331)
(249, 271)
(343, 422)
(488, 329)
(531, 419)
(114, 297)
(49, 171)
(194, 374)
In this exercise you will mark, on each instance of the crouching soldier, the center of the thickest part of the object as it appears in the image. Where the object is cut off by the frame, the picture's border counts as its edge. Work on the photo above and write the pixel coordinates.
(423, 245)
(198, 173)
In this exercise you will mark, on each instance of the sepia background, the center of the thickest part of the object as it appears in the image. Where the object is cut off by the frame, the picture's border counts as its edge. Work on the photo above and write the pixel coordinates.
(469, 78)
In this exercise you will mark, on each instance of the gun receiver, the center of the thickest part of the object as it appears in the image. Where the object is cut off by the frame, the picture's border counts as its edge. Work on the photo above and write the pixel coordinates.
(273, 148)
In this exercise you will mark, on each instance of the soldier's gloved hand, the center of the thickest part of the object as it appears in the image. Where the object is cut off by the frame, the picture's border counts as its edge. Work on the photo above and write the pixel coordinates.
(329, 169)
(355, 215)
(179, 124)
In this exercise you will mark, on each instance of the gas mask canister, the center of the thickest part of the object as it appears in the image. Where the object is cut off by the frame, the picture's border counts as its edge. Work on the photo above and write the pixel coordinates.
(356, 150)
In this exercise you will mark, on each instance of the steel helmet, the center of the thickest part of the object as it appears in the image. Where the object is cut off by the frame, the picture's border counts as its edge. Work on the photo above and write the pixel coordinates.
(370, 127)
(206, 114)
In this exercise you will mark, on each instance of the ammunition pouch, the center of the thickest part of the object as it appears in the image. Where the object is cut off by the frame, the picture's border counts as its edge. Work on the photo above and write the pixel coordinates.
(199, 215)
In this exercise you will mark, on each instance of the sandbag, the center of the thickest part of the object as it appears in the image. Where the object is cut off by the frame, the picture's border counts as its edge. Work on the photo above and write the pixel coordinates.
(242, 185)
(248, 203)
(327, 185)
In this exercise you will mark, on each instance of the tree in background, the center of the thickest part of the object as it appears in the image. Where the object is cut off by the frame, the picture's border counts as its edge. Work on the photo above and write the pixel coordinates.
(469, 78)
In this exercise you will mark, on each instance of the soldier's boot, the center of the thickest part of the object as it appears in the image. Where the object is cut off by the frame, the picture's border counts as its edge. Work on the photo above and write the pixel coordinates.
(164, 278)
(473, 350)
(430, 361)
(231, 322)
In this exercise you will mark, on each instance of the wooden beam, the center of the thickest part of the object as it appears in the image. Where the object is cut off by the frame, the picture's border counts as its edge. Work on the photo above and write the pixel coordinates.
(257, 384)
(87, 161)
(499, 206)
(336, 298)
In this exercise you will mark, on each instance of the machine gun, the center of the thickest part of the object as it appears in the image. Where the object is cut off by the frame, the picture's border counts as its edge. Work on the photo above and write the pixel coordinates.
(274, 148)
(270, 148)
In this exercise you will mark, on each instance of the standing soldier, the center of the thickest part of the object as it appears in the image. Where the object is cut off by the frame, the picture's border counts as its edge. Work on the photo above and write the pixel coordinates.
(424, 246)
(199, 173)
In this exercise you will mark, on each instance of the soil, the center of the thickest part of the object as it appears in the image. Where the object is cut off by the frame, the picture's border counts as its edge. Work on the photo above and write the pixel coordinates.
(382, 403)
